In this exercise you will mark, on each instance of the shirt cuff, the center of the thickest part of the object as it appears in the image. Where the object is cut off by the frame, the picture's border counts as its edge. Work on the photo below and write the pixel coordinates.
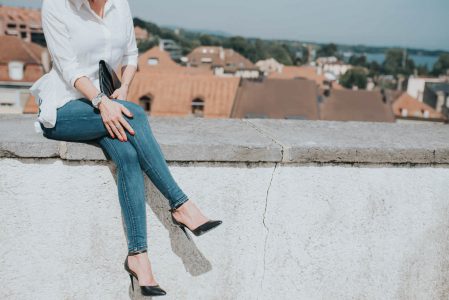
(72, 72)
(75, 76)
(130, 60)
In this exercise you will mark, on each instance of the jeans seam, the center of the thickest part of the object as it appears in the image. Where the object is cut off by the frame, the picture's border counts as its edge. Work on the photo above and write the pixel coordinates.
(120, 163)
(147, 162)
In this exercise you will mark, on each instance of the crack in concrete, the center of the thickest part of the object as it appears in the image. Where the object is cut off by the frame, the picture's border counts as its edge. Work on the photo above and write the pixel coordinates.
(266, 228)
(266, 134)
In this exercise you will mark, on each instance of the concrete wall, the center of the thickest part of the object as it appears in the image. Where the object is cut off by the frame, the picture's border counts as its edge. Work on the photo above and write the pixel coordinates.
(298, 222)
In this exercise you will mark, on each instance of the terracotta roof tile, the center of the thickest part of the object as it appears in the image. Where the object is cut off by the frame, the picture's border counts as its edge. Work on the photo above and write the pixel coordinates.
(13, 48)
(32, 17)
(305, 72)
(277, 98)
(349, 105)
(219, 56)
(414, 108)
(157, 60)
(172, 93)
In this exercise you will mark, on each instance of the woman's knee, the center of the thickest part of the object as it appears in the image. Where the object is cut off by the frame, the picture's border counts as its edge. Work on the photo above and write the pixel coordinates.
(127, 155)
(134, 108)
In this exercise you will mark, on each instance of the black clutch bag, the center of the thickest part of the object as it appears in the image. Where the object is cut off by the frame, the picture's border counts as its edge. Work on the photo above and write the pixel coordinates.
(109, 81)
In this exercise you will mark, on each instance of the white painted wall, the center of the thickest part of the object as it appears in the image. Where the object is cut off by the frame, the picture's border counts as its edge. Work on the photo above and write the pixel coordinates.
(416, 85)
(289, 232)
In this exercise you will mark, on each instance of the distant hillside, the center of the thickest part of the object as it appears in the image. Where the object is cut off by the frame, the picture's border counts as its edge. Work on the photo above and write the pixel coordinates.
(287, 52)
(199, 31)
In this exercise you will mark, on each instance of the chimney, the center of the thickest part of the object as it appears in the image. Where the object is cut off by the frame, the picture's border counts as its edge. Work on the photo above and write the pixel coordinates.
(441, 97)
(384, 96)
(15, 70)
(401, 79)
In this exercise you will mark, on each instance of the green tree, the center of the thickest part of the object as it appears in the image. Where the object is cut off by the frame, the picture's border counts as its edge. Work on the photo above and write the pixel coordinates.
(261, 50)
(358, 60)
(396, 62)
(441, 67)
(150, 27)
(281, 54)
(305, 56)
(328, 50)
(145, 45)
(422, 70)
(355, 77)
(208, 40)
(239, 44)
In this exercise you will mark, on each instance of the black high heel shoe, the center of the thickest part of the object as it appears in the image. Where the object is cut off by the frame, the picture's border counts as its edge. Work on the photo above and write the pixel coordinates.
(146, 290)
(202, 229)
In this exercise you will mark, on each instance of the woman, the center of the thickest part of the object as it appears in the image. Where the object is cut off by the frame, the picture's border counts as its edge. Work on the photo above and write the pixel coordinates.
(79, 33)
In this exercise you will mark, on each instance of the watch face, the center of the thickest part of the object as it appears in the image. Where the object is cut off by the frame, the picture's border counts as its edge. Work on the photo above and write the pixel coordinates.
(96, 101)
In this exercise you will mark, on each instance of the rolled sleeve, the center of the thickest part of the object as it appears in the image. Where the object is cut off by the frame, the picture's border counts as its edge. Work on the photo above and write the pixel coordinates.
(58, 44)
(130, 56)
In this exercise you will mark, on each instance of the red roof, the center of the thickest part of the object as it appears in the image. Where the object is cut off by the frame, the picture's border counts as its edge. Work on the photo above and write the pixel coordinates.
(413, 108)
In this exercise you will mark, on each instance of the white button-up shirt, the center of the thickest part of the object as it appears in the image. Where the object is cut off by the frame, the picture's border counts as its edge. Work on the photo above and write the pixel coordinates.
(77, 39)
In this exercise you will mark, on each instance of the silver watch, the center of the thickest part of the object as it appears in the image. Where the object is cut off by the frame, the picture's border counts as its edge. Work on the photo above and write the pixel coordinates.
(97, 99)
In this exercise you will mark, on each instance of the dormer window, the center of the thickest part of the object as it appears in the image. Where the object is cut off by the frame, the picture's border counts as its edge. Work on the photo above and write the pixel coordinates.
(153, 61)
(198, 107)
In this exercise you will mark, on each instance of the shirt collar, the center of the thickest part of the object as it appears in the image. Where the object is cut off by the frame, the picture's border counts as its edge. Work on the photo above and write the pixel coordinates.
(79, 3)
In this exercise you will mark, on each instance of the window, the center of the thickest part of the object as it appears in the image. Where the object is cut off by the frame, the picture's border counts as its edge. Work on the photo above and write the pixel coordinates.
(145, 102)
(404, 112)
(206, 60)
(153, 61)
(198, 107)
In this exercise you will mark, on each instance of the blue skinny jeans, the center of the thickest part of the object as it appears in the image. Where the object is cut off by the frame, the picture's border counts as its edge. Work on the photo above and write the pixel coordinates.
(79, 121)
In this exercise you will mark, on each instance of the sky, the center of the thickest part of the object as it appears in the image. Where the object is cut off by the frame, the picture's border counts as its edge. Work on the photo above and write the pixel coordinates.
(404, 23)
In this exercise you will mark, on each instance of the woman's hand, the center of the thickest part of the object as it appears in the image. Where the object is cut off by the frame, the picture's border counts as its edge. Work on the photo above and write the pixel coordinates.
(121, 92)
(111, 113)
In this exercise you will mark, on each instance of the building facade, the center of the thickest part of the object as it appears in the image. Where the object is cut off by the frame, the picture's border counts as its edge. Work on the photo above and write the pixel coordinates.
(23, 23)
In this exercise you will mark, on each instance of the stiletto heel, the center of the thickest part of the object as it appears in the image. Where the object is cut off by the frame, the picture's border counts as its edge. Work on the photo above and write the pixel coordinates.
(132, 281)
(182, 226)
(146, 290)
(200, 230)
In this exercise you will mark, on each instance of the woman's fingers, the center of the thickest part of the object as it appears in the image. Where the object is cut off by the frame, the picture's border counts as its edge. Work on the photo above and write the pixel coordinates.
(115, 130)
(111, 133)
(127, 125)
(114, 94)
(126, 111)
(120, 128)
(112, 114)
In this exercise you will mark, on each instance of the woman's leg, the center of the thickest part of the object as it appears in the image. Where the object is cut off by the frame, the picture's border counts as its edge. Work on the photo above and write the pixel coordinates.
(131, 190)
(79, 121)
(152, 160)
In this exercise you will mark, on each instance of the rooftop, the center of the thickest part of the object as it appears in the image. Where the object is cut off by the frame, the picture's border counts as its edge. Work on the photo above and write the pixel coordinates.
(277, 98)
(349, 105)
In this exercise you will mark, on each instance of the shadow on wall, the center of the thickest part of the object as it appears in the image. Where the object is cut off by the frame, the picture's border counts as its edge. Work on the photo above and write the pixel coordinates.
(194, 261)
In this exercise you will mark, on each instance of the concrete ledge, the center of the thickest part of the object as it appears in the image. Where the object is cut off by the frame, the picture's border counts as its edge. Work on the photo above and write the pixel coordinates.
(253, 140)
